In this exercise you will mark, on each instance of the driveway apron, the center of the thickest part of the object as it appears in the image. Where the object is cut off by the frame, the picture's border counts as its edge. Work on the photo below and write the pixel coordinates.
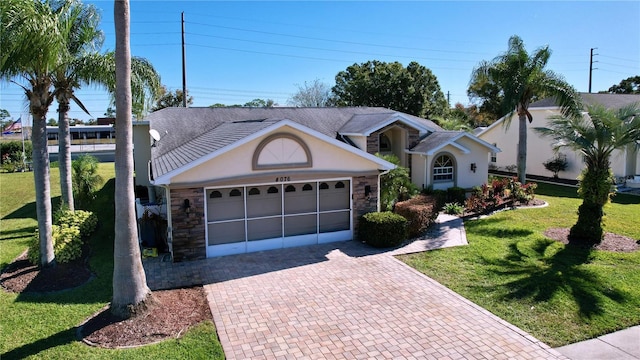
(348, 301)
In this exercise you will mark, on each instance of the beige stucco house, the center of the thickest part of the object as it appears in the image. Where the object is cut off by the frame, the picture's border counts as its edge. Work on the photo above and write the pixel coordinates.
(624, 163)
(238, 180)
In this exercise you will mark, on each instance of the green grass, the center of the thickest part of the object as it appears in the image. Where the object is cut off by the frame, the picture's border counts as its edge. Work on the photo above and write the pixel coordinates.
(44, 326)
(559, 294)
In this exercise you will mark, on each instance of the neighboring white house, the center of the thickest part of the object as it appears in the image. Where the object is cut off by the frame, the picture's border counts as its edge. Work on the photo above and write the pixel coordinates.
(249, 179)
(624, 163)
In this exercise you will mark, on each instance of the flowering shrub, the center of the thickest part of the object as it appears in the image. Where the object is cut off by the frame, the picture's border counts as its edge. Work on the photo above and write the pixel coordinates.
(498, 192)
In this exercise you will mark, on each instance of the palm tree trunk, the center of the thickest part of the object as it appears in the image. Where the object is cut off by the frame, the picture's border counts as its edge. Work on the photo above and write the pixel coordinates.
(40, 155)
(130, 291)
(522, 148)
(64, 154)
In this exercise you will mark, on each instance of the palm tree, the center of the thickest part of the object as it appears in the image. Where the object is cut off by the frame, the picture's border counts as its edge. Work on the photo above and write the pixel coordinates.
(86, 65)
(33, 40)
(595, 136)
(522, 78)
(130, 291)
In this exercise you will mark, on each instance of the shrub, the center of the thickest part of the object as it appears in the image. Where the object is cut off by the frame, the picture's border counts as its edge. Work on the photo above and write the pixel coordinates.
(86, 180)
(557, 164)
(453, 208)
(11, 151)
(395, 185)
(382, 229)
(68, 232)
(420, 211)
(498, 192)
(456, 194)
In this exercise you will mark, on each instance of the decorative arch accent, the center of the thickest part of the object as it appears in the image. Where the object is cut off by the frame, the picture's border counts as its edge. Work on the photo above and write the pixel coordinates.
(281, 151)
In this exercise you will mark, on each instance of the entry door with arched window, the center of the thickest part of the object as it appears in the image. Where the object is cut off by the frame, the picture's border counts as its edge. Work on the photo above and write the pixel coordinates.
(443, 171)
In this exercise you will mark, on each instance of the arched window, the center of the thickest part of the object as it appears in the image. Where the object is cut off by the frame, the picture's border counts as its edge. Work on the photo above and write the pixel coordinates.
(339, 185)
(215, 194)
(384, 142)
(254, 191)
(443, 168)
(272, 190)
(290, 188)
(324, 186)
(307, 187)
(235, 192)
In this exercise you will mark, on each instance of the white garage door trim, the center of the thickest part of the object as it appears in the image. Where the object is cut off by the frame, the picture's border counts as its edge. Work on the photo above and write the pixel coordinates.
(271, 215)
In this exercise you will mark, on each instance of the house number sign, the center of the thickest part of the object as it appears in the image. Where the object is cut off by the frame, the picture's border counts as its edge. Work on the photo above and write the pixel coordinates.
(283, 178)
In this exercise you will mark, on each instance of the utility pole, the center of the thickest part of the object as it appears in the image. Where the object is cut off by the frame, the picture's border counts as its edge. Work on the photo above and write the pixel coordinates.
(449, 99)
(184, 68)
(591, 67)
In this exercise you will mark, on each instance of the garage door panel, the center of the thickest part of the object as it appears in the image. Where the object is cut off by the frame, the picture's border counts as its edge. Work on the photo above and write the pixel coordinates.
(226, 232)
(300, 225)
(334, 195)
(264, 201)
(225, 204)
(300, 198)
(335, 221)
(258, 229)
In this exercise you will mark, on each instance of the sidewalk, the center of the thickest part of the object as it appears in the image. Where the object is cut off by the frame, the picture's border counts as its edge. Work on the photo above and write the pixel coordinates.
(620, 345)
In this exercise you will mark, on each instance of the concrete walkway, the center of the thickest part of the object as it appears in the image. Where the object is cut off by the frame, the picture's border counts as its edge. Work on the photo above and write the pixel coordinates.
(346, 301)
(620, 345)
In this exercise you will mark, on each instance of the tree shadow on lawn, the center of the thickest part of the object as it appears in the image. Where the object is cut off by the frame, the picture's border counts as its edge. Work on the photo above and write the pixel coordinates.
(25, 232)
(63, 337)
(563, 271)
(28, 211)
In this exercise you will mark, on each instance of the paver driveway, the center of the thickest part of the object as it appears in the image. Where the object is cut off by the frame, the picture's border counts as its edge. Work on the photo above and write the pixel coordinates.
(347, 301)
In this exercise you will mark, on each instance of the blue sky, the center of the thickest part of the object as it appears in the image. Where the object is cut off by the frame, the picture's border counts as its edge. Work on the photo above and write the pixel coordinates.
(239, 51)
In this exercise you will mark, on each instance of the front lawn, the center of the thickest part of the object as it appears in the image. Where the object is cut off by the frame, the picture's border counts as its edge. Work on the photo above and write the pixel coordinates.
(559, 294)
(44, 325)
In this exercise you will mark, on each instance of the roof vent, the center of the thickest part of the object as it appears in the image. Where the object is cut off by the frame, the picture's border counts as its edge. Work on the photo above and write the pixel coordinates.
(249, 121)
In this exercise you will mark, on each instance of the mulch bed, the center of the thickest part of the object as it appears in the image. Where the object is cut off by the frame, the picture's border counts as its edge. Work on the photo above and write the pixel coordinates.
(610, 242)
(170, 315)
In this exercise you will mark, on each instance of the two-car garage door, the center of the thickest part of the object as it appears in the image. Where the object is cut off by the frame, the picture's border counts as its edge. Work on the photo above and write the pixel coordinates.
(253, 218)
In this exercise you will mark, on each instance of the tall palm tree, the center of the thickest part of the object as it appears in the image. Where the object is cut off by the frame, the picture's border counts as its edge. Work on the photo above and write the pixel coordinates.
(595, 136)
(130, 291)
(33, 40)
(85, 37)
(86, 65)
(522, 78)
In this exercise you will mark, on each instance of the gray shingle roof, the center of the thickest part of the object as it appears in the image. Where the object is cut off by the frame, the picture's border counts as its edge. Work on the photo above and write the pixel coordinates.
(435, 140)
(610, 101)
(188, 134)
(363, 124)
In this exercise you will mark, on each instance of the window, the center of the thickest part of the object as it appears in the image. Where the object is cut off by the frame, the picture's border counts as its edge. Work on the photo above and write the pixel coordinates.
(215, 194)
(254, 191)
(384, 143)
(443, 168)
(290, 188)
(494, 156)
(272, 190)
(307, 187)
(324, 186)
(235, 192)
(339, 185)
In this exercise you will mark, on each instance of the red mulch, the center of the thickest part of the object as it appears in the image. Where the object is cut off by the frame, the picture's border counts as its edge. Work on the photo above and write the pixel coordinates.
(170, 314)
(610, 242)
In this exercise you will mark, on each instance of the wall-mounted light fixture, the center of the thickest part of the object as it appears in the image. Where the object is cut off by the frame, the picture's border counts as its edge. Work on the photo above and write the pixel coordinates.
(473, 167)
(186, 206)
(367, 190)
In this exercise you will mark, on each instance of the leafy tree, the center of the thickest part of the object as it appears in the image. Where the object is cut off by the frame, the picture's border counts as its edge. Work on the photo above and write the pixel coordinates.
(395, 185)
(86, 179)
(171, 99)
(26, 26)
(260, 103)
(314, 94)
(521, 78)
(4, 114)
(490, 97)
(52, 122)
(131, 294)
(629, 85)
(413, 90)
(595, 136)
(110, 112)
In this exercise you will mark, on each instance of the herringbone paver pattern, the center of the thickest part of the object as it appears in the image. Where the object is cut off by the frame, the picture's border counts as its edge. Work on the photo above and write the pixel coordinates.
(347, 301)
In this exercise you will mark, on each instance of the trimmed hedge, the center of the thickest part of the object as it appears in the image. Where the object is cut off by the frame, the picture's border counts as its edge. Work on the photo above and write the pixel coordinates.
(420, 211)
(382, 229)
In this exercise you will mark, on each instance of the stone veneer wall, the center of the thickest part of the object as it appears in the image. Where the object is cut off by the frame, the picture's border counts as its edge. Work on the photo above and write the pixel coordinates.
(373, 140)
(188, 233)
(363, 204)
